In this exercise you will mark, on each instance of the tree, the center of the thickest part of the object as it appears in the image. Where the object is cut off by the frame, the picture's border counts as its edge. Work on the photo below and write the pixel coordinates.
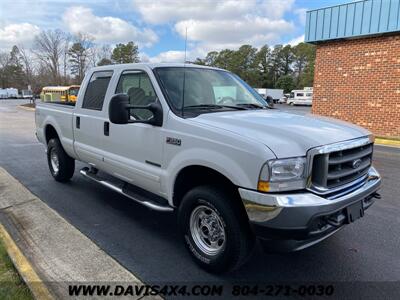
(104, 55)
(286, 56)
(11, 72)
(303, 57)
(243, 63)
(286, 83)
(65, 57)
(262, 64)
(48, 48)
(276, 64)
(80, 56)
(104, 62)
(26, 60)
(200, 61)
(225, 60)
(211, 58)
(125, 53)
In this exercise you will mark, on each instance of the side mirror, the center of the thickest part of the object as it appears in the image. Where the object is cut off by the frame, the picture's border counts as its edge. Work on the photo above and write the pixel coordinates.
(119, 108)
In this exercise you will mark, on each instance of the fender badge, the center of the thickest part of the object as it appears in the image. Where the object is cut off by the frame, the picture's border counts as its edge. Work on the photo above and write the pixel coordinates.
(173, 141)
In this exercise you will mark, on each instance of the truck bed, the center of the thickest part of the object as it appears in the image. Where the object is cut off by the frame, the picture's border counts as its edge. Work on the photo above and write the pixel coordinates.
(60, 116)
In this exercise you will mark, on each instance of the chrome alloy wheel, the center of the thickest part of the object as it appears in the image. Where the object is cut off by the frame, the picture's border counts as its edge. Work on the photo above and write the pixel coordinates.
(207, 230)
(55, 164)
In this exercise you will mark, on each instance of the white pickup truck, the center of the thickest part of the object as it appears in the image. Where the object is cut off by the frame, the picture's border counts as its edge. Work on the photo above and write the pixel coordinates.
(200, 141)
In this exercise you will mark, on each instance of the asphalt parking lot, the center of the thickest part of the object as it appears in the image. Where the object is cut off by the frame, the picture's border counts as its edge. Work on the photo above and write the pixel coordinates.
(296, 109)
(148, 244)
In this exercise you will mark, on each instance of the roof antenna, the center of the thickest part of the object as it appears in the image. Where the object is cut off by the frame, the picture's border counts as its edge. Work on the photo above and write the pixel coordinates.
(184, 78)
(185, 44)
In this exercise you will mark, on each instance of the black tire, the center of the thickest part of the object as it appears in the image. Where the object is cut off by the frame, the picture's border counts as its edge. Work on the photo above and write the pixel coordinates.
(66, 164)
(239, 239)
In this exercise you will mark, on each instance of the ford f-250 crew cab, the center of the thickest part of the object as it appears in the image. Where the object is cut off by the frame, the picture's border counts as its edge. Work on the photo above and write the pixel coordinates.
(201, 142)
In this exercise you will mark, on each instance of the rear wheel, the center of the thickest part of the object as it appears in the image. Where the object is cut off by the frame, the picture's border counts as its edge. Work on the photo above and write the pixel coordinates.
(215, 231)
(61, 165)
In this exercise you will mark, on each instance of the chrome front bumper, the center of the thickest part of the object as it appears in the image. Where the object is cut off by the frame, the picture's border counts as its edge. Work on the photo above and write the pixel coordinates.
(261, 207)
(290, 222)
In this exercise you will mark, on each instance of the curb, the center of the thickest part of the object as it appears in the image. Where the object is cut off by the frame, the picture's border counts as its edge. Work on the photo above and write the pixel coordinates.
(387, 142)
(26, 108)
(24, 268)
(53, 259)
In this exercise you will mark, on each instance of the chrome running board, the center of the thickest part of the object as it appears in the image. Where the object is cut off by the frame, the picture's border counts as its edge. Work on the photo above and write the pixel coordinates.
(137, 198)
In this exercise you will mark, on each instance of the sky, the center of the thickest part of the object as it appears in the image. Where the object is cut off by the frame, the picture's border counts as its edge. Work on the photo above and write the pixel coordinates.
(159, 27)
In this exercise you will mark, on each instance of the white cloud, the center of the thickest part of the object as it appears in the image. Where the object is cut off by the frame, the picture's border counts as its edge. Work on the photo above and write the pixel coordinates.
(301, 14)
(297, 40)
(275, 9)
(17, 34)
(219, 34)
(174, 10)
(106, 29)
(168, 56)
(221, 24)
(175, 56)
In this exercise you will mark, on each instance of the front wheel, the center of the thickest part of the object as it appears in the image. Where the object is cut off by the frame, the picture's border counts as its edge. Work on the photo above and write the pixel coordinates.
(61, 165)
(215, 231)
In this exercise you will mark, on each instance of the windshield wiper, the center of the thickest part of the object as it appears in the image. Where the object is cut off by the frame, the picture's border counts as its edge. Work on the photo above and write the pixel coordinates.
(214, 106)
(252, 105)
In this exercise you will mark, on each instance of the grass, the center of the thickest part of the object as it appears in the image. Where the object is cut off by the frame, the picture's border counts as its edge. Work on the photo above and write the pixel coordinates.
(394, 138)
(11, 284)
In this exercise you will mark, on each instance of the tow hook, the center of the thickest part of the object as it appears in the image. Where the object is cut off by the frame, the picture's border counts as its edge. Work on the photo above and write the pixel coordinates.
(376, 195)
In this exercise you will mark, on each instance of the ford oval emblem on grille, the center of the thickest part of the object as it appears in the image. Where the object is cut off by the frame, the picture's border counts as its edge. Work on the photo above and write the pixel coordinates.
(356, 163)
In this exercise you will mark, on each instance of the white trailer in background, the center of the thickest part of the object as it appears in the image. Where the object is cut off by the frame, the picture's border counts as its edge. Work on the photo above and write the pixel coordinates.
(3, 94)
(12, 93)
(26, 94)
(276, 94)
(9, 93)
(301, 97)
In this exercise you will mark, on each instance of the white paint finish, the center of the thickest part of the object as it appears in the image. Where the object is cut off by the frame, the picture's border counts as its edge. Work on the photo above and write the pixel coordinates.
(60, 117)
(235, 143)
(129, 146)
(287, 135)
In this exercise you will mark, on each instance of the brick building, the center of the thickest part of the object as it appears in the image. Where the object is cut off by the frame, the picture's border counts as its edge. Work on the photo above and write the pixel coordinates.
(357, 67)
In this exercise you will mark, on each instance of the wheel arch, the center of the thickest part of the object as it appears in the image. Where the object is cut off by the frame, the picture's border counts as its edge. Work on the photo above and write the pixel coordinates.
(50, 132)
(197, 175)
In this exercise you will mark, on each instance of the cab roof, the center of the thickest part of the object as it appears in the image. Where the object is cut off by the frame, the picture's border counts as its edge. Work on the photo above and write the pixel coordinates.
(151, 66)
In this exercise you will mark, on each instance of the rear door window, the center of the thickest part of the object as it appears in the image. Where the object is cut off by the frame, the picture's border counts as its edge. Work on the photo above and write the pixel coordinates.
(96, 90)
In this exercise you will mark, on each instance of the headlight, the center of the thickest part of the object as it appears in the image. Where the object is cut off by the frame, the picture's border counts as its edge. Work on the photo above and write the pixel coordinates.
(283, 175)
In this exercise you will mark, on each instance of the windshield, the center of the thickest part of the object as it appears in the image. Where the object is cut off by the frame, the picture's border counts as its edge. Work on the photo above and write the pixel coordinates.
(188, 88)
(74, 91)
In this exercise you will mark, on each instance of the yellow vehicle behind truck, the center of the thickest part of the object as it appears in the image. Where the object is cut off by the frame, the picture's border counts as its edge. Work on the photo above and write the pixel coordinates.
(59, 93)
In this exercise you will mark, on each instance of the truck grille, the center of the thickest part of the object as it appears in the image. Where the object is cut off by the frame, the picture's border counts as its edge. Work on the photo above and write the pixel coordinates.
(332, 170)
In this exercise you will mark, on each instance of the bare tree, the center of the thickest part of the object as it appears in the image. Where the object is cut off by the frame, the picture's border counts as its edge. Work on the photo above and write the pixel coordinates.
(48, 48)
(4, 59)
(27, 62)
(65, 58)
(103, 55)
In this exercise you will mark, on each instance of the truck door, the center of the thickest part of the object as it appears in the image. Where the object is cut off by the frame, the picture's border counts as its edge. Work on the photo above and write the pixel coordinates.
(133, 152)
(89, 119)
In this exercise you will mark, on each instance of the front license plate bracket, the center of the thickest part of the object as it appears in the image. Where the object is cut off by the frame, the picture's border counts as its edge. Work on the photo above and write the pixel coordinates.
(355, 211)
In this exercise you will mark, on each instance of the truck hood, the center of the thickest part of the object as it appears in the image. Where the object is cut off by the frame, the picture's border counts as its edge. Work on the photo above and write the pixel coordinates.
(287, 135)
